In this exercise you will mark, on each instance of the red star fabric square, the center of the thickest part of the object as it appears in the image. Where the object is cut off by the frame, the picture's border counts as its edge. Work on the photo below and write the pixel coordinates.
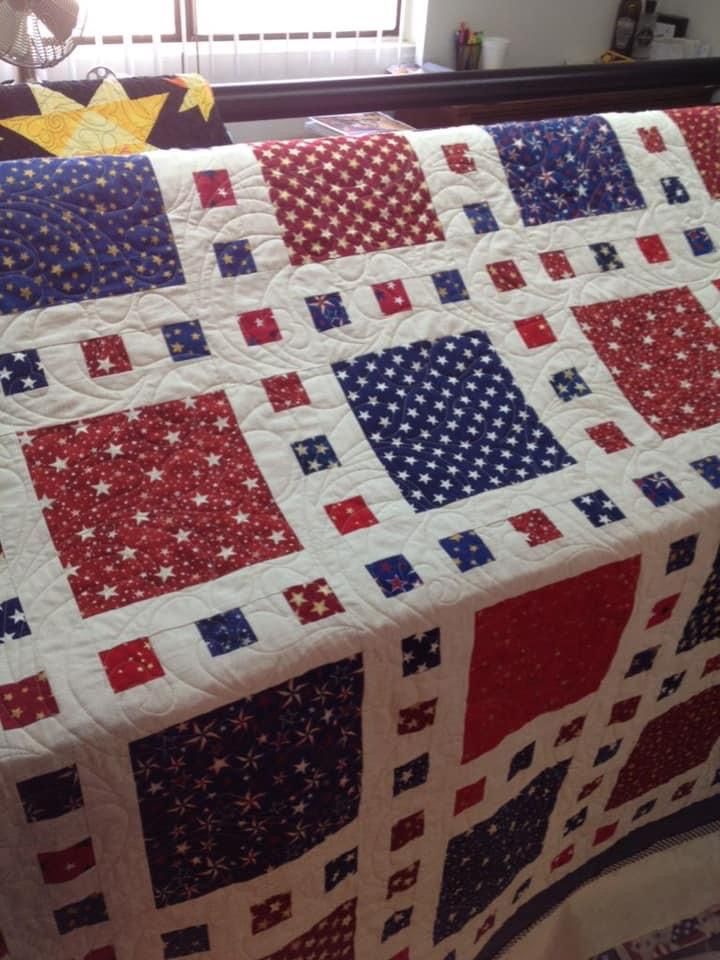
(392, 297)
(63, 865)
(407, 829)
(603, 834)
(214, 188)
(712, 665)
(563, 857)
(351, 514)
(313, 601)
(589, 788)
(537, 527)
(570, 731)
(469, 796)
(355, 178)
(259, 326)
(535, 331)
(700, 126)
(333, 938)
(624, 710)
(105, 355)
(488, 924)
(653, 249)
(457, 157)
(147, 502)
(669, 331)
(608, 436)
(403, 880)
(652, 139)
(271, 912)
(505, 275)
(684, 790)
(25, 701)
(557, 266)
(285, 391)
(418, 717)
(102, 953)
(131, 664)
(662, 610)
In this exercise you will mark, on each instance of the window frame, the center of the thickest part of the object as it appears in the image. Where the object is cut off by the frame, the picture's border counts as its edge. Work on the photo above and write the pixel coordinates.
(174, 37)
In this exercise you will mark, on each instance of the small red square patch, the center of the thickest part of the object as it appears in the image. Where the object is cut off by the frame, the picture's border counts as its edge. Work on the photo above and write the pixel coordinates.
(214, 188)
(604, 833)
(653, 249)
(652, 139)
(570, 731)
(608, 436)
(392, 297)
(101, 953)
(284, 391)
(537, 527)
(407, 829)
(535, 331)
(313, 601)
(589, 788)
(417, 717)
(624, 710)
(457, 157)
(403, 955)
(565, 856)
(271, 912)
(662, 610)
(488, 924)
(59, 866)
(26, 701)
(259, 326)
(557, 266)
(351, 514)
(468, 796)
(105, 355)
(131, 664)
(403, 880)
(505, 275)
(712, 665)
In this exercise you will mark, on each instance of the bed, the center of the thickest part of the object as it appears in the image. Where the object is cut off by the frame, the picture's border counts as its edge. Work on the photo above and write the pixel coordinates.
(360, 513)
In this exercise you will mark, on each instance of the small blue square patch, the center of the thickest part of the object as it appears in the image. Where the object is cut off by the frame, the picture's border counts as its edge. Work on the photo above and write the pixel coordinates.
(671, 685)
(412, 774)
(659, 489)
(394, 575)
(575, 822)
(709, 469)
(185, 340)
(234, 258)
(450, 286)
(642, 661)
(644, 809)
(314, 454)
(467, 550)
(343, 866)
(13, 624)
(675, 191)
(182, 943)
(397, 922)
(700, 241)
(607, 752)
(521, 889)
(607, 257)
(568, 384)
(421, 652)
(481, 217)
(682, 553)
(21, 371)
(225, 632)
(522, 760)
(327, 311)
(598, 508)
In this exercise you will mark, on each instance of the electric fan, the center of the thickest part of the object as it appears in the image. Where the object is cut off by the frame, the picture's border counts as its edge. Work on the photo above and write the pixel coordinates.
(35, 34)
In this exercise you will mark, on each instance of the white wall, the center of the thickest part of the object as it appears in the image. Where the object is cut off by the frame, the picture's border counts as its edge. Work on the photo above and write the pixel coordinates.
(542, 32)
(704, 19)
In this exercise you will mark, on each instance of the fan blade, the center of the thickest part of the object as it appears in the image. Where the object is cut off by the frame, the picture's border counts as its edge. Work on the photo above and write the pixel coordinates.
(59, 16)
(13, 30)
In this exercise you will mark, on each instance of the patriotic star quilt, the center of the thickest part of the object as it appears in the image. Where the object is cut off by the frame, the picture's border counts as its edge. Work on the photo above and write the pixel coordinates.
(360, 594)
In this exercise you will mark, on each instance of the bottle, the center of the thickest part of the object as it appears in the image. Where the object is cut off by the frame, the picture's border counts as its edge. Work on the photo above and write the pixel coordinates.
(645, 33)
(625, 26)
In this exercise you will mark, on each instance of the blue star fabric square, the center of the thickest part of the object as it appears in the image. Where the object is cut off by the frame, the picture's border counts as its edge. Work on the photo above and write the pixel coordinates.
(644, 809)
(83, 913)
(671, 685)
(576, 821)
(421, 652)
(397, 922)
(682, 553)
(521, 889)
(185, 340)
(394, 575)
(709, 469)
(183, 943)
(225, 632)
(51, 795)
(481, 217)
(450, 286)
(13, 624)
(411, 774)
(467, 550)
(703, 624)
(675, 191)
(716, 781)
(21, 371)
(522, 760)
(450, 956)
(327, 311)
(642, 661)
(568, 384)
(659, 489)
(700, 241)
(598, 508)
(607, 257)
(606, 752)
(234, 258)
(341, 867)
(314, 454)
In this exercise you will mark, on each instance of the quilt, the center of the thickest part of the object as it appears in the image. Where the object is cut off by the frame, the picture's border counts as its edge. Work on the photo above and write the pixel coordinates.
(360, 596)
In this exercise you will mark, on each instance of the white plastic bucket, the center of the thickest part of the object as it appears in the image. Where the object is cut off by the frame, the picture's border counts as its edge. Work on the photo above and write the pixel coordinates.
(493, 52)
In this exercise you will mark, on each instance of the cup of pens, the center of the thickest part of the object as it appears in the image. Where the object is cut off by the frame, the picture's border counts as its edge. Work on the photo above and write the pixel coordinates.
(468, 48)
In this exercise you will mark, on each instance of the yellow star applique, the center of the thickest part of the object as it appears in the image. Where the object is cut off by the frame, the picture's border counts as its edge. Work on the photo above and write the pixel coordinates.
(198, 93)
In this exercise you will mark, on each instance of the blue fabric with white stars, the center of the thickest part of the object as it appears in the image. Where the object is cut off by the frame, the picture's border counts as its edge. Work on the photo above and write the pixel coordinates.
(606, 752)
(96, 228)
(481, 217)
(644, 809)
(521, 761)
(659, 489)
(642, 661)
(183, 943)
(568, 384)
(521, 889)
(675, 191)
(51, 795)
(411, 774)
(682, 553)
(21, 371)
(700, 241)
(566, 169)
(575, 822)
(421, 652)
(83, 913)
(703, 624)
(315, 453)
(341, 867)
(13, 623)
(447, 420)
(185, 340)
(709, 470)
(467, 550)
(397, 922)
(450, 286)
(327, 311)
(598, 508)
(225, 632)
(234, 258)
(671, 685)
(607, 257)
(394, 575)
